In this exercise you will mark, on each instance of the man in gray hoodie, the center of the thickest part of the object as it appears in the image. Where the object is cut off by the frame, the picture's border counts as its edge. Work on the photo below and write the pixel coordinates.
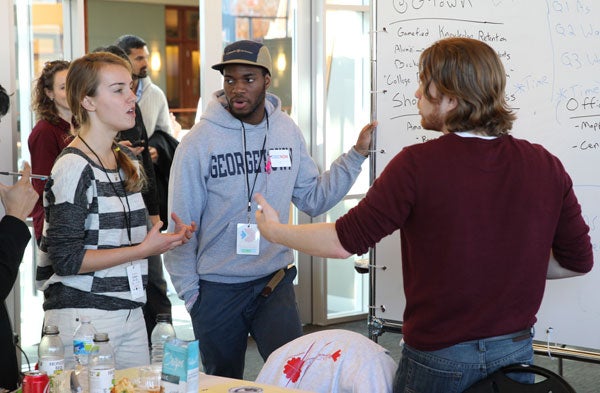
(233, 282)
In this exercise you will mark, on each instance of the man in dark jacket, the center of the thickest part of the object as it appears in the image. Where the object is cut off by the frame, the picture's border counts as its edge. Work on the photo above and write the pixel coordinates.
(18, 201)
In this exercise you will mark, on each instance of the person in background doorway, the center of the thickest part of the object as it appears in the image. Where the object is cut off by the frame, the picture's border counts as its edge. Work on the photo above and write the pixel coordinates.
(18, 201)
(233, 282)
(159, 126)
(484, 219)
(150, 98)
(52, 132)
(95, 240)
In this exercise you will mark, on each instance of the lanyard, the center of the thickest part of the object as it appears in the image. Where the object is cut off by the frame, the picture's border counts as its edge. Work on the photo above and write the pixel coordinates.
(262, 153)
(127, 212)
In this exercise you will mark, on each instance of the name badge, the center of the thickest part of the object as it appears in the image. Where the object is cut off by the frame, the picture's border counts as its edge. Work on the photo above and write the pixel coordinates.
(248, 239)
(280, 158)
(136, 284)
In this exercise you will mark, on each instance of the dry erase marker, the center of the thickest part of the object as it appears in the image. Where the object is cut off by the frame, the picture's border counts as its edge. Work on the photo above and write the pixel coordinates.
(40, 177)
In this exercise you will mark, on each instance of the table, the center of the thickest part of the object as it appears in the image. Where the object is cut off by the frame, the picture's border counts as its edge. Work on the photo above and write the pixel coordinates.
(214, 384)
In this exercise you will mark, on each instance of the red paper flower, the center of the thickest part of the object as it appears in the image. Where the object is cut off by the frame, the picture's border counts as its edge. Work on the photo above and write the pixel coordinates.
(336, 355)
(293, 368)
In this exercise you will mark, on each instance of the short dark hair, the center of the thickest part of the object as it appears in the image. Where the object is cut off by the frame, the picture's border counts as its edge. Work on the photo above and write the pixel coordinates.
(4, 101)
(114, 49)
(128, 42)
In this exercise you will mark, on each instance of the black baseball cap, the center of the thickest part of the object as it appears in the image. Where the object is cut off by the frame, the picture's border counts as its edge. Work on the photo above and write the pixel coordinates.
(245, 52)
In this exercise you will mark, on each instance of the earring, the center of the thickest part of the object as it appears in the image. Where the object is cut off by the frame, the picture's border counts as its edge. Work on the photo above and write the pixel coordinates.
(51, 98)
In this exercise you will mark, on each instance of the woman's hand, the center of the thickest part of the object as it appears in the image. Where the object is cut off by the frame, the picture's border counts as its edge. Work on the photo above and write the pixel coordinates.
(158, 243)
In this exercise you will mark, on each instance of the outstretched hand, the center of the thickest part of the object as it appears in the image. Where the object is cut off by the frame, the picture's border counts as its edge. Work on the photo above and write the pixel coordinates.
(181, 226)
(363, 143)
(158, 243)
(318, 239)
(20, 198)
(266, 217)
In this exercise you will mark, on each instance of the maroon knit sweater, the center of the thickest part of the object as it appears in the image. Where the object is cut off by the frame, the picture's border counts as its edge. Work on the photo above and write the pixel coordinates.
(46, 141)
(478, 219)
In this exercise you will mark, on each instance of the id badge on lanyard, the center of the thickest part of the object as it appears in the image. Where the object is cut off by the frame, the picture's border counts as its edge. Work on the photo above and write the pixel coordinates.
(136, 284)
(248, 239)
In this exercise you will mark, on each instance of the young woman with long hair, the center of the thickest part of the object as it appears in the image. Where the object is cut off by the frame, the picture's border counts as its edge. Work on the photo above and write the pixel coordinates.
(95, 240)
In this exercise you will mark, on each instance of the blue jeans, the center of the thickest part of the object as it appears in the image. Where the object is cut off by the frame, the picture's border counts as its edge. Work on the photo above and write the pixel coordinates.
(225, 314)
(454, 369)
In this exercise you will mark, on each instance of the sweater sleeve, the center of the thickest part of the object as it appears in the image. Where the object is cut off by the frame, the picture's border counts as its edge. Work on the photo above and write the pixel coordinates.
(382, 211)
(66, 212)
(14, 236)
(316, 193)
(572, 246)
(187, 199)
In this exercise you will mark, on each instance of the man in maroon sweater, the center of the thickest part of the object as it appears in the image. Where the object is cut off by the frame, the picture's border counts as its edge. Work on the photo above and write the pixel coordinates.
(484, 220)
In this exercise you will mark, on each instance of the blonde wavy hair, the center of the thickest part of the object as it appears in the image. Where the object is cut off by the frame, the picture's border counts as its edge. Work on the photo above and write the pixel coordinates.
(83, 79)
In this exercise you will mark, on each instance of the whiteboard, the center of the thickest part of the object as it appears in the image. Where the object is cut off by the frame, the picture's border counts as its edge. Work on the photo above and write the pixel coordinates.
(551, 52)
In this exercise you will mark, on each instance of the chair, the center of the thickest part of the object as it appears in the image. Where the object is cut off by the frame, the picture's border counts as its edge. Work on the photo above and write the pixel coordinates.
(331, 361)
(498, 382)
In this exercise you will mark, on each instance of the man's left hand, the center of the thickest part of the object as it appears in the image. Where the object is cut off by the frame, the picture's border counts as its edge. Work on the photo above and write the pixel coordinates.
(363, 143)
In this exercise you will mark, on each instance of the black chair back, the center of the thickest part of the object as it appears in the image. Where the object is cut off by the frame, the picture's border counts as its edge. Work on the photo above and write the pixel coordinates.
(499, 382)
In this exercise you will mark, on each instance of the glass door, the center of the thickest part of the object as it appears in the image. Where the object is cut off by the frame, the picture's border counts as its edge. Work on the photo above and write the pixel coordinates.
(274, 23)
(347, 108)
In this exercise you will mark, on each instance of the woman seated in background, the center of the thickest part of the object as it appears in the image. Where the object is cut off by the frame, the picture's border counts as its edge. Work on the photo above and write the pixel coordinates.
(95, 242)
(53, 131)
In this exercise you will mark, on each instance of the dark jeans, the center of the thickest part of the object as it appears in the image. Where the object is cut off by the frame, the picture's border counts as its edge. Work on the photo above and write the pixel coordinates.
(225, 314)
(156, 292)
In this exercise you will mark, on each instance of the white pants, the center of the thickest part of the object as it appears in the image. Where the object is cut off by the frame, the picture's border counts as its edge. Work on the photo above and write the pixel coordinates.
(126, 333)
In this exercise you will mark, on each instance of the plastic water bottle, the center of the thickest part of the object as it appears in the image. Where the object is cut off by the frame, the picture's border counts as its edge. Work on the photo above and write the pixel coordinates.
(51, 352)
(162, 332)
(83, 341)
(101, 367)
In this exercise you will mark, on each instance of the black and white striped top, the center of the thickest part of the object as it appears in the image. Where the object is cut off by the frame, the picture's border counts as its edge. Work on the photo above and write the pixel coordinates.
(84, 211)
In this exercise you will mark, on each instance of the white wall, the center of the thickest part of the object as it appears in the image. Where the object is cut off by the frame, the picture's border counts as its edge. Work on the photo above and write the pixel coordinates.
(211, 47)
(8, 124)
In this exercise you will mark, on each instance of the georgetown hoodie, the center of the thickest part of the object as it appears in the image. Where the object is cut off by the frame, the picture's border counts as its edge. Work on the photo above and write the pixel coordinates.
(213, 177)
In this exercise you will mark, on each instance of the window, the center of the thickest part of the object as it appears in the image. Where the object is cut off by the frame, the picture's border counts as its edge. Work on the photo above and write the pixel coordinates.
(347, 110)
(182, 62)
